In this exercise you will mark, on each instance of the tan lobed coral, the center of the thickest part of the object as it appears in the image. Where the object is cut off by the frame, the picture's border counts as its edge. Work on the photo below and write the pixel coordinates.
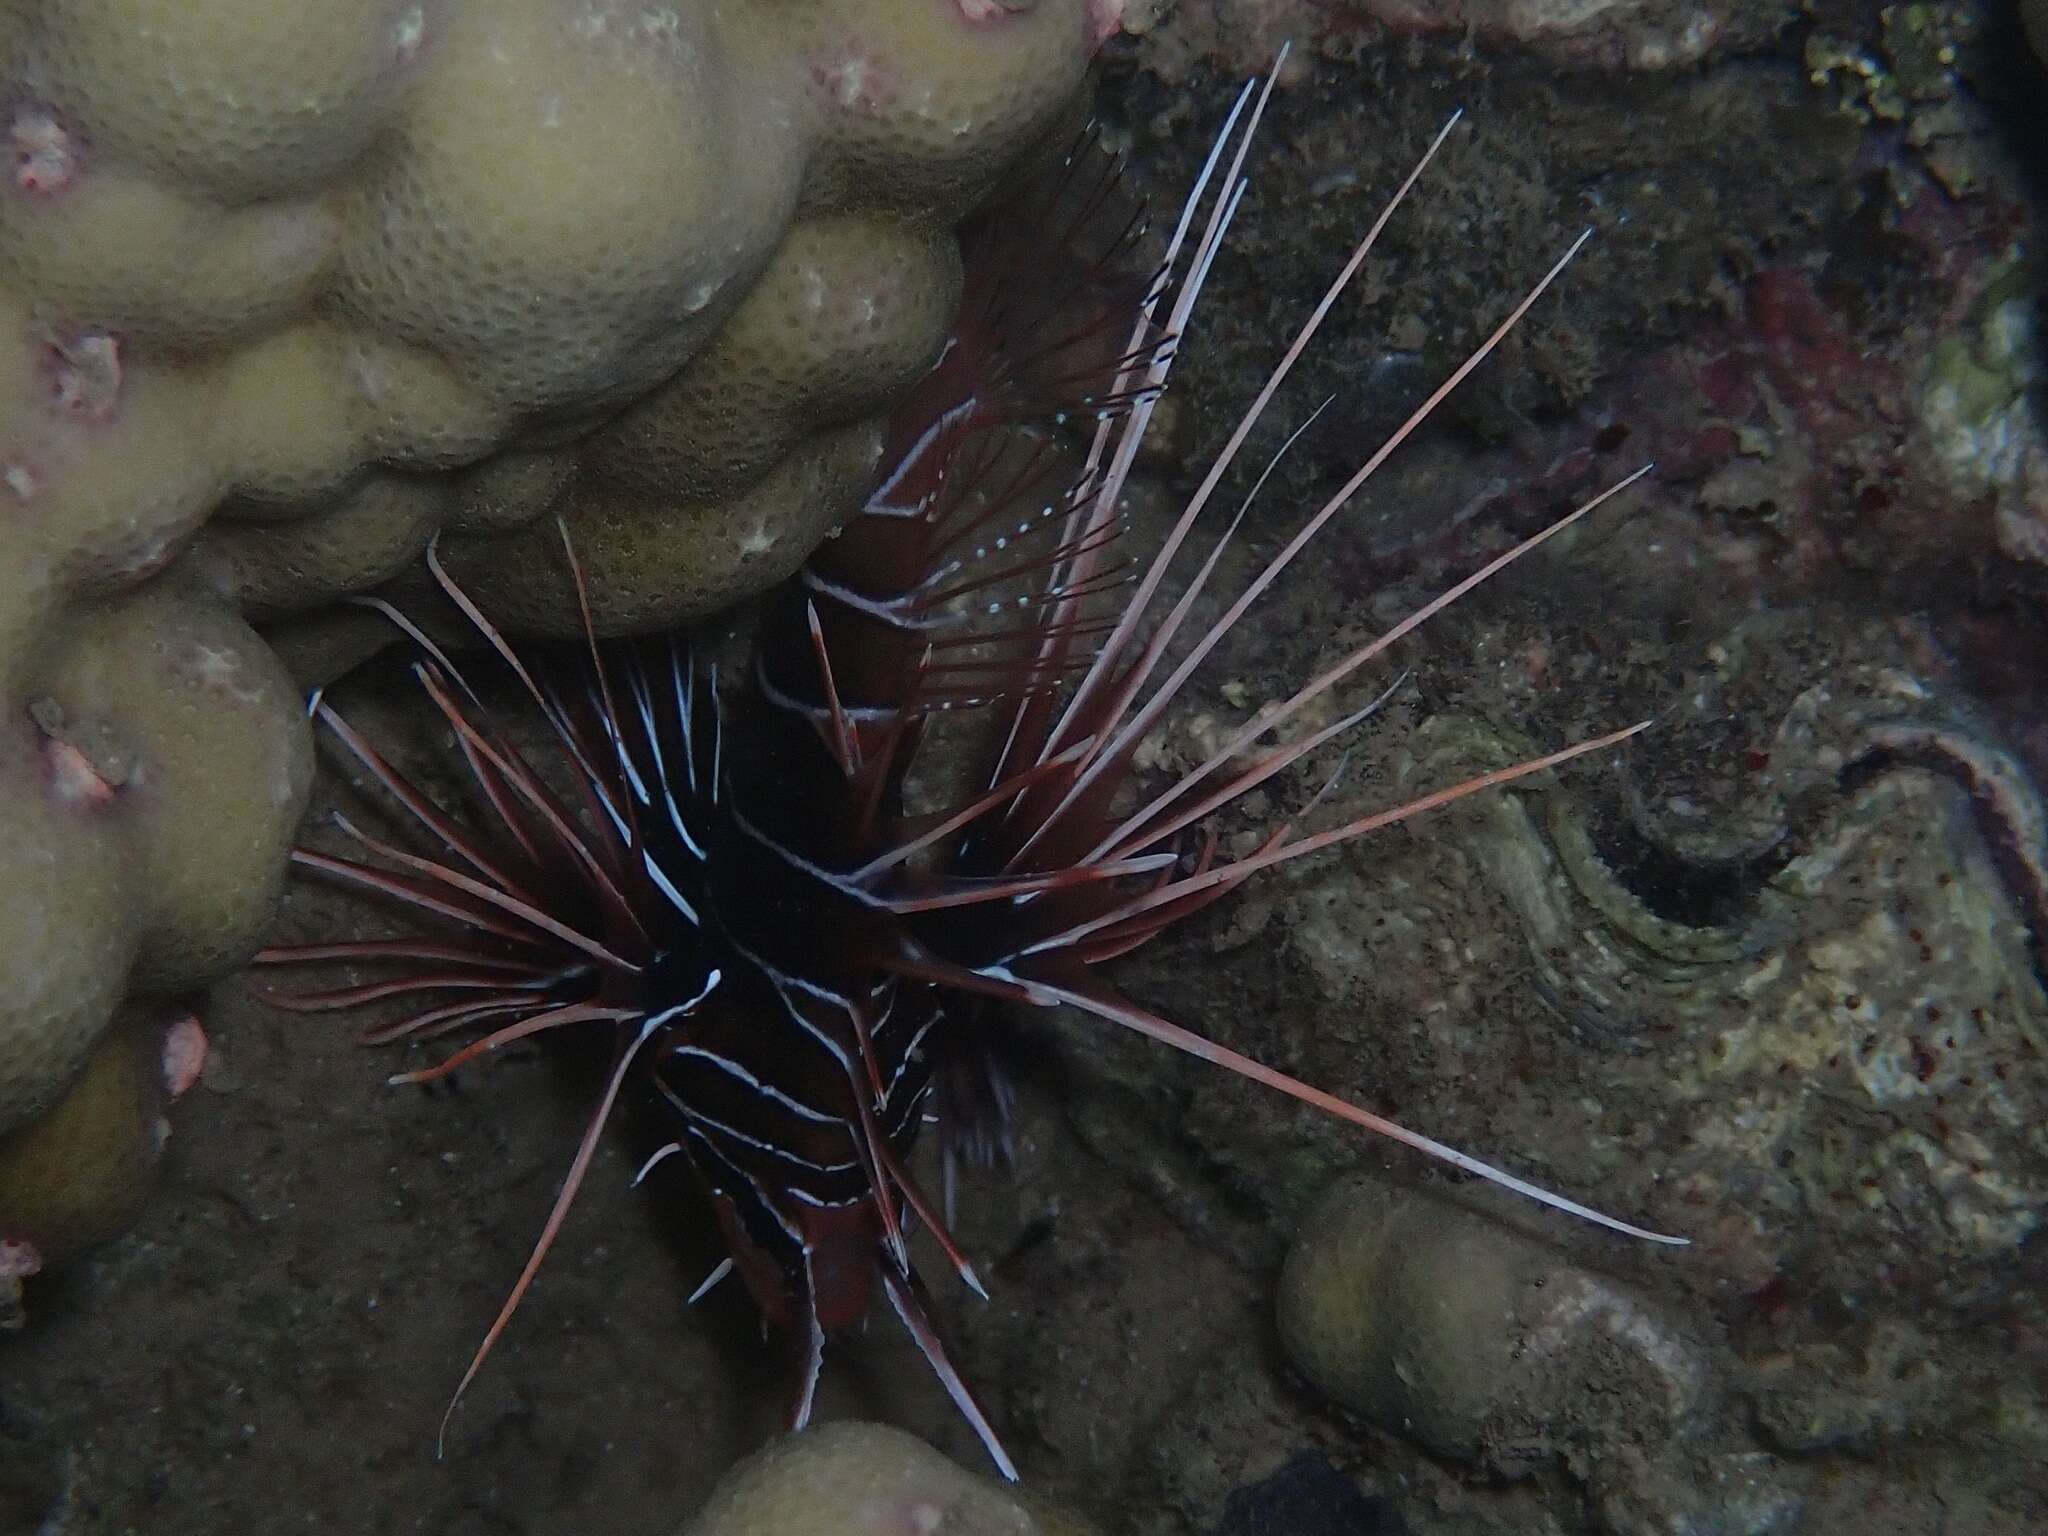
(73, 1176)
(1490, 1348)
(867, 1480)
(288, 287)
(1466, 1336)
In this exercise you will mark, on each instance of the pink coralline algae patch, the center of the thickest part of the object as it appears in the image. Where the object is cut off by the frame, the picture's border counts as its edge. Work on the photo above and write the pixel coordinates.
(40, 153)
(19, 1259)
(1104, 17)
(1769, 419)
(1786, 386)
(85, 375)
(71, 776)
(1791, 429)
(1788, 434)
(184, 1056)
(853, 82)
(1105, 20)
(1803, 433)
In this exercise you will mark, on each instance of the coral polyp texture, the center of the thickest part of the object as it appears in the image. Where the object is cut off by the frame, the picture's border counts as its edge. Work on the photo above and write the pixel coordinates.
(290, 287)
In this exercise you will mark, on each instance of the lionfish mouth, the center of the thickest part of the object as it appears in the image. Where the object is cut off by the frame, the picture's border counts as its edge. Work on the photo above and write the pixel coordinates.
(734, 892)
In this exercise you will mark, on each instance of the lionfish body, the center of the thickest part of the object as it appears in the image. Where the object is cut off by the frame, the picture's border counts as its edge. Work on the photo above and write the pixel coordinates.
(801, 970)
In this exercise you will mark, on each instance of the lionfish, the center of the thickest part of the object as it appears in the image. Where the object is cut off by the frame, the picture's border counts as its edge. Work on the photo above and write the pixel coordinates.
(735, 892)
